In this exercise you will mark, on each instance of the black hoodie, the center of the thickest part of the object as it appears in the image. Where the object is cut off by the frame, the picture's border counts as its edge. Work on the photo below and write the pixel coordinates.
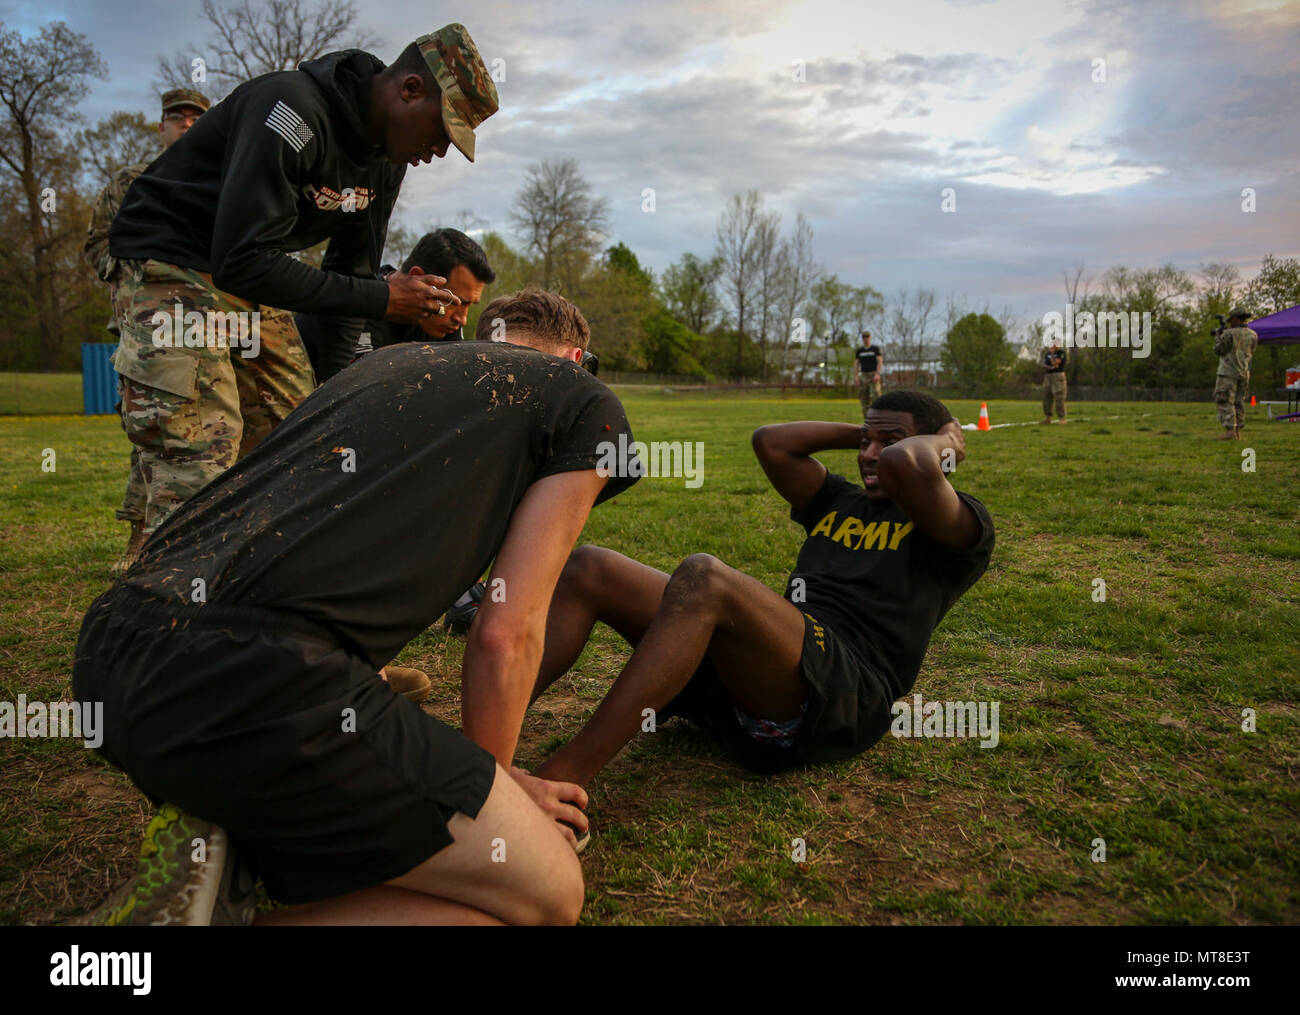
(267, 171)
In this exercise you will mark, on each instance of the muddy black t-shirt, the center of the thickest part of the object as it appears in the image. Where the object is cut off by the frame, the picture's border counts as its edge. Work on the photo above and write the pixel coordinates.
(877, 582)
(388, 491)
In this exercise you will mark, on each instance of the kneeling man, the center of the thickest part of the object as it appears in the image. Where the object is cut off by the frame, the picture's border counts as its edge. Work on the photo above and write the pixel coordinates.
(805, 677)
(237, 661)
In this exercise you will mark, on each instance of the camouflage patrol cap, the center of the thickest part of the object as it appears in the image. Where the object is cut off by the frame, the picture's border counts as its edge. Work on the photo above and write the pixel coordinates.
(179, 98)
(468, 95)
(1239, 312)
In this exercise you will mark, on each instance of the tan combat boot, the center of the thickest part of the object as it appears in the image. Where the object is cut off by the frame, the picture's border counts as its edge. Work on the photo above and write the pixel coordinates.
(408, 682)
(134, 544)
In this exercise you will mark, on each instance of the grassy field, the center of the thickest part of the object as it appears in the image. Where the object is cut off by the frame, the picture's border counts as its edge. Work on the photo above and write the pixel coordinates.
(1120, 720)
(38, 394)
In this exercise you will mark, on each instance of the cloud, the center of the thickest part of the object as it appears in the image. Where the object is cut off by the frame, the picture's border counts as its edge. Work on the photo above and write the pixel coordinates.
(998, 100)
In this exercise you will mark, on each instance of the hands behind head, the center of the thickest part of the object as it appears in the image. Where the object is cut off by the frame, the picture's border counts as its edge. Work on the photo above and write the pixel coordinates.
(953, 431)
(414, 297)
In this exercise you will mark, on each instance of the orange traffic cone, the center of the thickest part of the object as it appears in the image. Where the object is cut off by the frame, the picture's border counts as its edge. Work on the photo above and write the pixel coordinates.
(1252, 399)
(983, 424)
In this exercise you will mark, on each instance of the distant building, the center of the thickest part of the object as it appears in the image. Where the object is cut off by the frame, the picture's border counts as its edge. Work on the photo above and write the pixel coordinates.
(818, 364)
(925, 368)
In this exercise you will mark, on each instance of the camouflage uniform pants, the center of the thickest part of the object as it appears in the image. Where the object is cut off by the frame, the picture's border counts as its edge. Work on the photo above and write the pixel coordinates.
(868, 390)
(1054, 395)
(195, 399)
(1230, 394)
(137, 497)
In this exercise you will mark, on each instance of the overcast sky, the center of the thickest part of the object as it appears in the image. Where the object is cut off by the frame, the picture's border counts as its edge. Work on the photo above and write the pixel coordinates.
(899, 100)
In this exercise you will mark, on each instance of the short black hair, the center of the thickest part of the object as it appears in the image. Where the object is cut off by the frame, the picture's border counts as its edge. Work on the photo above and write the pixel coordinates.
(929, 413)
(440, 251)
(412, 61)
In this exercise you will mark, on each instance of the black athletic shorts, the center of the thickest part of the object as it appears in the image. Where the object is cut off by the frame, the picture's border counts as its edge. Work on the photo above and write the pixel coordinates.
(326, 780)
(849, 707)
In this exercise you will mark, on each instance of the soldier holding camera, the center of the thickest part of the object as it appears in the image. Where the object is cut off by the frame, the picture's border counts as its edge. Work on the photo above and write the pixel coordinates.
(1234, 344)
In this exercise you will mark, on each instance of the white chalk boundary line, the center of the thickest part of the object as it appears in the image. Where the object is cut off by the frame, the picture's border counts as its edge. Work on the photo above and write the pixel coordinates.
(1034, 422)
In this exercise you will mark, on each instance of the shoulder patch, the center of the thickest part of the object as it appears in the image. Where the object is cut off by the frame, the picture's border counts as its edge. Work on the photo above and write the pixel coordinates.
(290, 126)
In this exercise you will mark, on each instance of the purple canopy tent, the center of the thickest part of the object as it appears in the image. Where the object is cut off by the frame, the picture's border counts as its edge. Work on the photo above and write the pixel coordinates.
(1281, 328)
(1278, 329)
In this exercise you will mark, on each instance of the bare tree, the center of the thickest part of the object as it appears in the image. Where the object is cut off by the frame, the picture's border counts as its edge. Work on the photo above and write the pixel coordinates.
(954, 309)
(120, 140)
(800, 272)
(1076, 286)
(1220, 284)
(909, 326)
(1017, 330)
(769, 265)
(1077, 294)
(562, 222)
(738, 245)
(41, 81)
(468, 221)
(253, 38)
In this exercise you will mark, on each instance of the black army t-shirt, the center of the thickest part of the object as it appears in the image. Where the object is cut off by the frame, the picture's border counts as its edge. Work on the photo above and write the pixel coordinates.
(877, 582)
(867, 359)
(388, 491)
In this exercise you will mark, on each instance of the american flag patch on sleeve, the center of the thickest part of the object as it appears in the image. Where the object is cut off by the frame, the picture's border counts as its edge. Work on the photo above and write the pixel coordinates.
(290, 126)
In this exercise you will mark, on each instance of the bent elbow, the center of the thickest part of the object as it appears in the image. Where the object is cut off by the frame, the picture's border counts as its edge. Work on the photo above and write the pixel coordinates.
(895, 461)
(503, 638)
(226, 279)
(239, 276)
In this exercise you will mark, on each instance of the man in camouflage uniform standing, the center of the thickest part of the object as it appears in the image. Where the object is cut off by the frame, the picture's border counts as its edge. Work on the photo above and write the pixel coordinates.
(1234, 345)
(180, 108)
(204, 237)
(1054, 387)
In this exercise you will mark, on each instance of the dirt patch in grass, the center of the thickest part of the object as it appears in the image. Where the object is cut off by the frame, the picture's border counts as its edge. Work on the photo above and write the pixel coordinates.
(84, 822)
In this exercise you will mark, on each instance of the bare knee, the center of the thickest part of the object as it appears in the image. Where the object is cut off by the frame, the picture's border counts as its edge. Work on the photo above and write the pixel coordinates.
(567, 894)
(700, 582)
(554, 900)
(591, 573)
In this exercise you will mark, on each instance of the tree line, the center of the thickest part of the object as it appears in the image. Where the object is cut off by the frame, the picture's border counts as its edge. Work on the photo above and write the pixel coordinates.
(757, 306)
(1184, 308)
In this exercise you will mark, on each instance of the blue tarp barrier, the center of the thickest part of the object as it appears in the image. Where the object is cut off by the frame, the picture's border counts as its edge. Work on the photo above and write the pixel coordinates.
(98, 378)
